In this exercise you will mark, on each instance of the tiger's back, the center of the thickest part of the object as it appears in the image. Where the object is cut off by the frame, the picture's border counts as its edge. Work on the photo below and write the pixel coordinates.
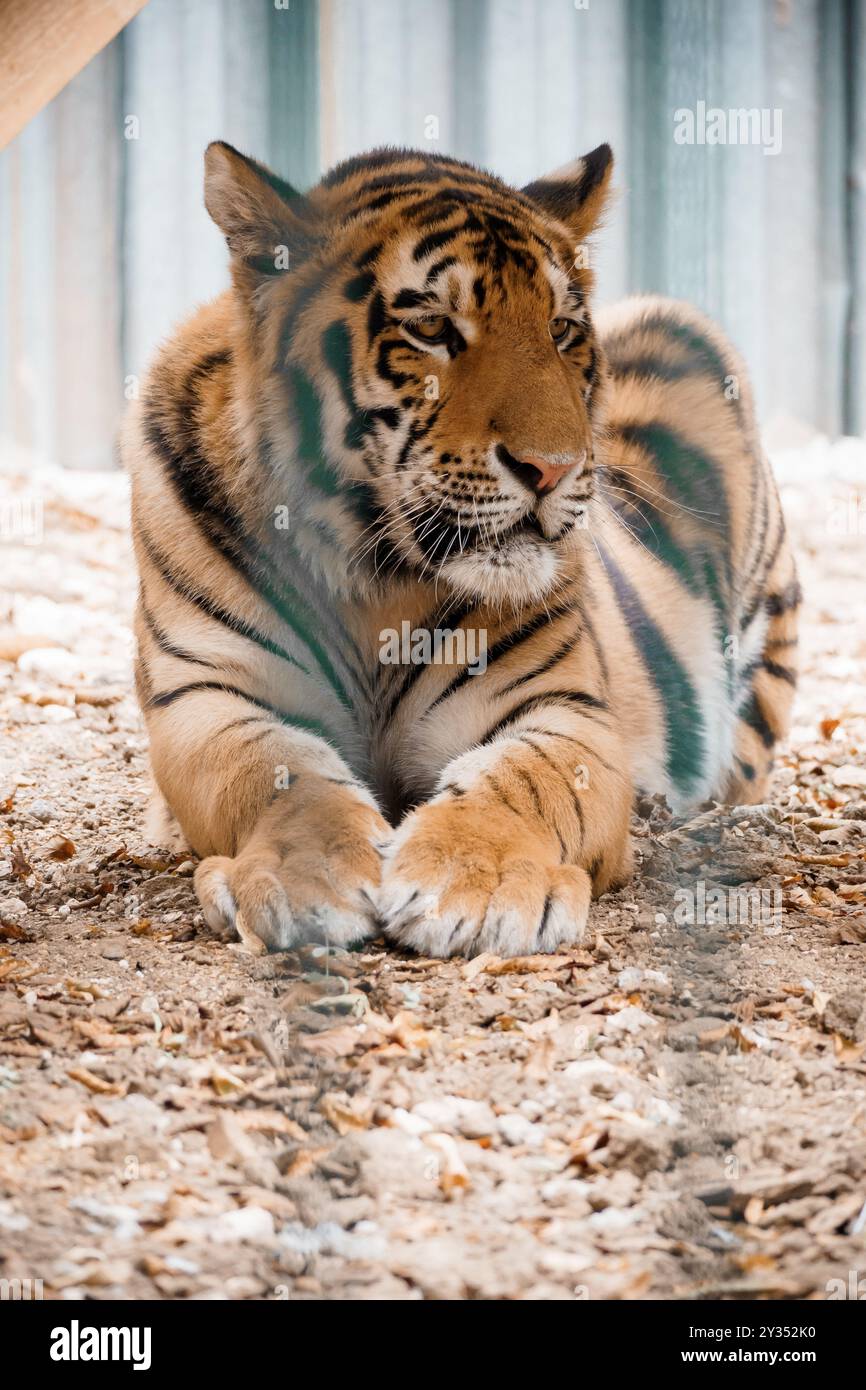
(697, 556)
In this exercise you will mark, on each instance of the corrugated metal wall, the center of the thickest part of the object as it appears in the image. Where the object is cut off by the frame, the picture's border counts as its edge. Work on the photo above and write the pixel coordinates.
(104, 242)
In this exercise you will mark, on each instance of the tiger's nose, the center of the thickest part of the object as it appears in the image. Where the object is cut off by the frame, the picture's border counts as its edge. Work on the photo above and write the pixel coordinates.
(540, 472)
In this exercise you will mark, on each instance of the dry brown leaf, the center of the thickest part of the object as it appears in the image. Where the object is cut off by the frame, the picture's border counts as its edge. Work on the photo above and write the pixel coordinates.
(527, 965)
(157, 863)
(833, 861)
(825, 896)
(304, 1161)
(407, 1030)
(850, 933)
(756, 1262)
(846, 1051)
(478, 965)
(743, 1037)
(227, 1139)
(97, 696)
(820, 1000)
(828, 727)
(97, 1084)
(47, 1037)
(21, 869)
(60, 848)
(612, 1003)
(754, 1210)
(85, 991)
(270, 1122)
(541, 1061)
(16, 1048)
(339, 1042)
(225, 1082)
(590, 1139)
(453, 1175)
(100, 1035)
(346, 1113)
(16, 969)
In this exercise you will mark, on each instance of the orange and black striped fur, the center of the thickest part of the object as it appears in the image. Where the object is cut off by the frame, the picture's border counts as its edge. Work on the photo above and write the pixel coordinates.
(402, 418)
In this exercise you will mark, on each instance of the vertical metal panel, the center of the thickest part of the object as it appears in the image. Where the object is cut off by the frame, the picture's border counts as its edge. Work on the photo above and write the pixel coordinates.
(753, 238)
(519, 86)
(855, 83)
(60, 295)
(293, 79)
(105, 239)
(386, 67)
(831, 262)
(511, 133)
(87, 392)
(28, 255)
(687, 265)
(645, 207)
(792, 265)
(555, 84)
(741, 235)
(469, 29)
(194, 72)
(601, 50)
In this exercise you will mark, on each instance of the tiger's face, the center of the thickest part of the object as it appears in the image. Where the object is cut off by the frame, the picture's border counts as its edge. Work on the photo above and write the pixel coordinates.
(432, 342)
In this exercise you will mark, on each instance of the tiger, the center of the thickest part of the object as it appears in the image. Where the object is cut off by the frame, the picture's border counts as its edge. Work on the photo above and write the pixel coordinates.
(404, 417)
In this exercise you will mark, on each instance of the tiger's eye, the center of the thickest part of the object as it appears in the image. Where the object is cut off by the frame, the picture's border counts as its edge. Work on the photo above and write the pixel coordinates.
(559, 329)
(431, 330)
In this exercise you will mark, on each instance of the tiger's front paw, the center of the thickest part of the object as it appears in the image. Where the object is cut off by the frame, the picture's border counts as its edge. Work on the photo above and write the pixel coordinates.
(310, 872)
(465, 875)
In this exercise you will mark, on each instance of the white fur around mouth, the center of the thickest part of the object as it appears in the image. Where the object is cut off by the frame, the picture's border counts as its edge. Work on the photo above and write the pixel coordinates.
(522, 570)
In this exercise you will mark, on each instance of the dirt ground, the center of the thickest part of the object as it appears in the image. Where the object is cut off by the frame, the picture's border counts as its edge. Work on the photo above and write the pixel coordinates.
(674, 1110)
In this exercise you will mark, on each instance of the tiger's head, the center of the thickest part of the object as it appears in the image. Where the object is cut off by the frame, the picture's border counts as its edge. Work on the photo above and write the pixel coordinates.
(416, 342)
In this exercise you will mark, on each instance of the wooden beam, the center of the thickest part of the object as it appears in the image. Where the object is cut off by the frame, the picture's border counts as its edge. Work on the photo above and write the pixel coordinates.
(42, 47)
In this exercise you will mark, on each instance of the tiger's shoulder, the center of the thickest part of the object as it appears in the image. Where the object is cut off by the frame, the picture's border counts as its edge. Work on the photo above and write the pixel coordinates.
(660, 350)
(682, 453)
(185, 441)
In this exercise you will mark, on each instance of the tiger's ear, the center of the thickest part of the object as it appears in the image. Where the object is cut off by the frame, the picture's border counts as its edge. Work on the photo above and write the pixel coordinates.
(576, 194)
(264, 220)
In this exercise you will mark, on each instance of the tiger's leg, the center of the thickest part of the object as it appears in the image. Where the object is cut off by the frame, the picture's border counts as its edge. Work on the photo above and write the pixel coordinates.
(293, 841)
(519, 836)
(764, 709)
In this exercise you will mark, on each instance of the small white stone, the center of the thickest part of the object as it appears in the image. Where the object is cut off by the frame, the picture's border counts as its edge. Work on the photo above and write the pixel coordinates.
(11, 1220)
(628, 1020)
(54, 662)
(247, 1223)
(516, 1129)
(409, 1124)
(629, 979)
(474, 1119)
(12, 909)
(614, 1219)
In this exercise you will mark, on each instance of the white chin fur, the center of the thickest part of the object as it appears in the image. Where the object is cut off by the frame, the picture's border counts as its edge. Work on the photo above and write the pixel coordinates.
(521, 572)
